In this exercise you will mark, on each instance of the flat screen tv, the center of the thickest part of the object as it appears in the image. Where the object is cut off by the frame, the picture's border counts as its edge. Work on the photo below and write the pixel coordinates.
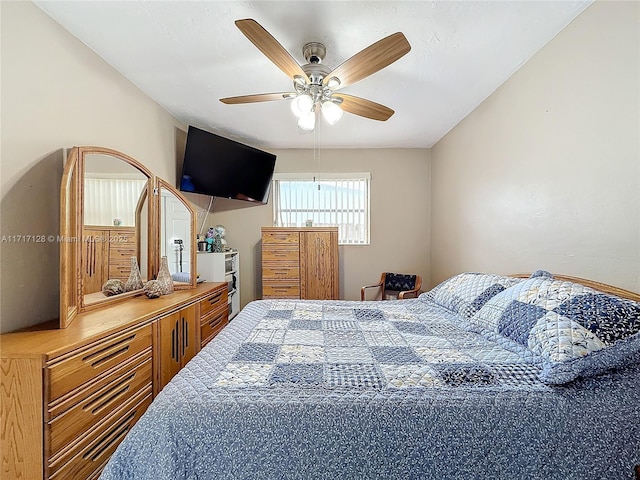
(220, 167)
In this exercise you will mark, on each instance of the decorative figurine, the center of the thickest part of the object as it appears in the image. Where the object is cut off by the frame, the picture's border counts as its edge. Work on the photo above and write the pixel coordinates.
(152, 289)
(113, 287)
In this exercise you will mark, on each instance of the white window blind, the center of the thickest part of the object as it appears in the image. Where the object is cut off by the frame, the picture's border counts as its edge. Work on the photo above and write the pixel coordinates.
(107, 199)
(328, 199)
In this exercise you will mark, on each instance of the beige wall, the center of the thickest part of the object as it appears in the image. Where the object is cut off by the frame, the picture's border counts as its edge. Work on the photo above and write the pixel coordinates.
(399, 217)
(57, 93)
(546, 172)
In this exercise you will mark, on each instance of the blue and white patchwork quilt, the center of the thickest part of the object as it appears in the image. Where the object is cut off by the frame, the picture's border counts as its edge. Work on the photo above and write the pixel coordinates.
(379, 390)
(367, 347)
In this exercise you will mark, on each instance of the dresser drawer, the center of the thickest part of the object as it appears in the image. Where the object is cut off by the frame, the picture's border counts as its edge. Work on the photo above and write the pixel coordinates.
(213, 323)
(76, 413)
(214, 301)
(67, 374)
(93, 450)
(280, 253)
(124, 235)
(122, 246)
(121, 271)
(292, 238)
(119, 248)
(280, 291)
(121, 254)
(281, 271)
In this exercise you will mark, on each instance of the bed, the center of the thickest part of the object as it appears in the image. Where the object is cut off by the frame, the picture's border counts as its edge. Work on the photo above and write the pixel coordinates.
(485, 376)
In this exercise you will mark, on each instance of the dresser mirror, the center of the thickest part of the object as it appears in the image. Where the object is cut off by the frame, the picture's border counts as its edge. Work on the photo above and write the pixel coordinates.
(114, 206)
(115, 214)
(177, 235)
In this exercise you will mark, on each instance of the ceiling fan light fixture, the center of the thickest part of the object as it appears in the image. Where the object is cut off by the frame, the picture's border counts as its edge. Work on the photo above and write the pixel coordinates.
(333, 83)
(302, 105)
(307, 121)
(331, 112)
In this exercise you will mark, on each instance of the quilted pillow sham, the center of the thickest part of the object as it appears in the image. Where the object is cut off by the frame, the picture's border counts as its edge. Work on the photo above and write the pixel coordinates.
(466, 293)
(574, 330)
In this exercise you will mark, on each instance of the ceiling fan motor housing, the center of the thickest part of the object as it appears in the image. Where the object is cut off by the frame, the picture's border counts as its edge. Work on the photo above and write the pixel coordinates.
(315, 72)
(314, 52)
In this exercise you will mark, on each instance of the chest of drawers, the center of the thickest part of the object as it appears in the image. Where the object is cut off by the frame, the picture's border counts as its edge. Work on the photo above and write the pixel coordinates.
(300, 263)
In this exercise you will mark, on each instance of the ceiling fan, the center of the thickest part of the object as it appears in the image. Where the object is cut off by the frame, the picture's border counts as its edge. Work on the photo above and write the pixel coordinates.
(316, 85)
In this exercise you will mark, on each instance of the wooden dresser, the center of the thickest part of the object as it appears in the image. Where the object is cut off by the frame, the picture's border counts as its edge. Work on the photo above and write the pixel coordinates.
(69, 396)
(300, 263)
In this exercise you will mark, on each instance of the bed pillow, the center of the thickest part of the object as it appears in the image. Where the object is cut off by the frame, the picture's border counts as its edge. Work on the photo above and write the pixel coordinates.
(181, 277)
(574, 330)
(541, 273)
(467, 292)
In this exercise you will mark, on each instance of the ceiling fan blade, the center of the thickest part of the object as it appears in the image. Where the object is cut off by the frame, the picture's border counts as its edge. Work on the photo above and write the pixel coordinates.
(363, 107)
(373, 58)
(260, 97)
(270, 47)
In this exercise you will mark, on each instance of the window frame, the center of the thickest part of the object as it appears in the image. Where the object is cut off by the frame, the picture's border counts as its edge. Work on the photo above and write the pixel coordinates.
(330, 176)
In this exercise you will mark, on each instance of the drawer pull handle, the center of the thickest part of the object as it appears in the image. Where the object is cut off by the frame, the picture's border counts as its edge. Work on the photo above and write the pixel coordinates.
(113, 437)
(175, 340)
(109, 395)
(112, 355)
(185, 335)
(215, 321)
(108, 400)
(215, 298)
(108, 347)
(173, 344)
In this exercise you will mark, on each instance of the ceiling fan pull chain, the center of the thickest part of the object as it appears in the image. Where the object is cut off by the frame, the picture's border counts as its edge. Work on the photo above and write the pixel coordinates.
(316, 150)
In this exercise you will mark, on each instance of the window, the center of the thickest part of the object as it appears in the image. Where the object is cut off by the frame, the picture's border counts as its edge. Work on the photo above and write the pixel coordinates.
(111, 196)
(328, 199)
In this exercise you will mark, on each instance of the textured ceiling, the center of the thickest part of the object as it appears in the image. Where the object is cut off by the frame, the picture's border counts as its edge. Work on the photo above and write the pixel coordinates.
(186, 55)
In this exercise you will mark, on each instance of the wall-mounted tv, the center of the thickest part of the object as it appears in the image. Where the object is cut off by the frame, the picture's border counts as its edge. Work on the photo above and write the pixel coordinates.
(220, 167)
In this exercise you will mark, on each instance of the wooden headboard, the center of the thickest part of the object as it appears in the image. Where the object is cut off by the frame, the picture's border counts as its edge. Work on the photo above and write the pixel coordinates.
(603, 287)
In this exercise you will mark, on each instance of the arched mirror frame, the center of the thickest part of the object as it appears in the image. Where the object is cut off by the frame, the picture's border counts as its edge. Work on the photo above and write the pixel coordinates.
(71, 229)
(160, 185)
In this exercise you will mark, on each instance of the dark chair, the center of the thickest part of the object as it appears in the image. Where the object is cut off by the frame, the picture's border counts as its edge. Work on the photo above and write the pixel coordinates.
(396, 286)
